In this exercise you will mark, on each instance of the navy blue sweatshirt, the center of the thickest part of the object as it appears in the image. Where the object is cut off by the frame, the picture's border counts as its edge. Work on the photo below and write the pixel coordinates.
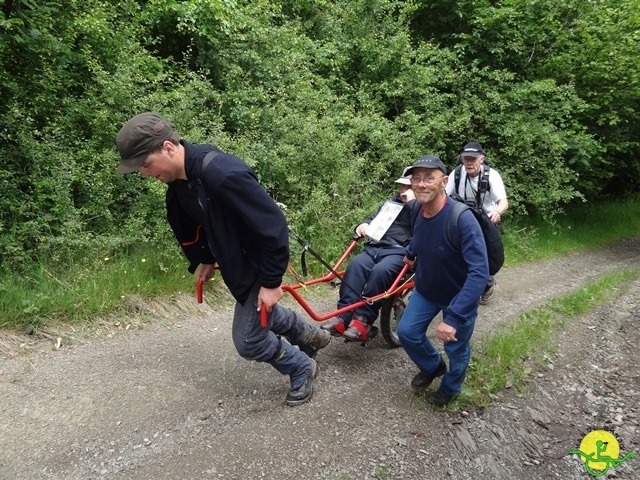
(446, 276)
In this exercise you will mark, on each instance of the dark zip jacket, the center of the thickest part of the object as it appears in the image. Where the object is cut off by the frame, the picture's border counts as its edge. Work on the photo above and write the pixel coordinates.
(224, 216)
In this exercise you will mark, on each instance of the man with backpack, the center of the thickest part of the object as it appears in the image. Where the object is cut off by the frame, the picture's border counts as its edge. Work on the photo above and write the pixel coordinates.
(481, 186)
(220, 214)
(448, 279)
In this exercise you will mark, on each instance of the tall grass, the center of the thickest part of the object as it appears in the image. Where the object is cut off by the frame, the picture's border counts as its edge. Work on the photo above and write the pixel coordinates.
(89, 288)
(95, 286)
(581, 227)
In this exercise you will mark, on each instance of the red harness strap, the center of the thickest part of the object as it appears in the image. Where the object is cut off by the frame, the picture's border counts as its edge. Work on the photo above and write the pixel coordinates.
(363, 328)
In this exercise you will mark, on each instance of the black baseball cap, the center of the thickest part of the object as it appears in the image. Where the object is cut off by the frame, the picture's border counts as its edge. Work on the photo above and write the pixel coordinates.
(427, 161)
(140, 136)
(472, 149)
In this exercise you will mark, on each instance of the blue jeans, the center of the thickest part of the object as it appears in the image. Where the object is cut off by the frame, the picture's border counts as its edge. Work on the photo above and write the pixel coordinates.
(412, 332)
(264, 344)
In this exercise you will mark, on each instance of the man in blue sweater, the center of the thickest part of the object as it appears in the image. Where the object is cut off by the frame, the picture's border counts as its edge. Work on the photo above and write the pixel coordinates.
(446, 280)
(221, 215)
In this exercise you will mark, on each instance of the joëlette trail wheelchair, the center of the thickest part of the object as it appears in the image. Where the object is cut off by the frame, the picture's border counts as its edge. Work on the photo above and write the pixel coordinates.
(394, 299)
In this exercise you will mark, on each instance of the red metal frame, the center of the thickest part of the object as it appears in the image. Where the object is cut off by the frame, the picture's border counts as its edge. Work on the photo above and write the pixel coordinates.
(394, 289)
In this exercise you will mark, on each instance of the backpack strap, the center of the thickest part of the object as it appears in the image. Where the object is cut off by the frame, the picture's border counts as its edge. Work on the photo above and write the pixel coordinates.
(483, 185)
(206, 161)
(457, 207)
(456, 178)
(416, 208)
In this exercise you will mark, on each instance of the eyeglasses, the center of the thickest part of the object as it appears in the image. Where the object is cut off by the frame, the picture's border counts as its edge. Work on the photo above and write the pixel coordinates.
(471, 159)
(425, 180)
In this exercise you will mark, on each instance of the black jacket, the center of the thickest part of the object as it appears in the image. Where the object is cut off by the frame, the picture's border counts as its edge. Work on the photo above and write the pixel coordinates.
(224, 216)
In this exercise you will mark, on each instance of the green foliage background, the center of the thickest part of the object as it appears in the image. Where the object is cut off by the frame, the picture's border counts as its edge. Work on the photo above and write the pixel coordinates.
(327, 100)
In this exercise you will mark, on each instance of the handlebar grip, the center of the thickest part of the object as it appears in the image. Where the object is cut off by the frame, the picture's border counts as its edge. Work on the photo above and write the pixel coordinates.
(199, 291)
(264, 317)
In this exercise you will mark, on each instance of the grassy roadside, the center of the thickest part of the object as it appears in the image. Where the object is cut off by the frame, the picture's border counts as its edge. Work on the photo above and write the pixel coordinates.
(105, 283)
(580, 228)
(93, 287)
(507, 358)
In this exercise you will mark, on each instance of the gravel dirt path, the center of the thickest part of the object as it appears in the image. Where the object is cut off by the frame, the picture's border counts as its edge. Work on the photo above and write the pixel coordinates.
(171, 399)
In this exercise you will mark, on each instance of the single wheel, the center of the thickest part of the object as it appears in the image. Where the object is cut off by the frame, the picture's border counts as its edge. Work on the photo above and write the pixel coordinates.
(390, 315)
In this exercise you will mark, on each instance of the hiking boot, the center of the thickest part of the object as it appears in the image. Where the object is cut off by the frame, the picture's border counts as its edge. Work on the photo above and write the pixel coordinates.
(488, 293)
(314, 341)
(303, 393)
(422, 381)
(439, 399)
(335, 326)
(360, 331)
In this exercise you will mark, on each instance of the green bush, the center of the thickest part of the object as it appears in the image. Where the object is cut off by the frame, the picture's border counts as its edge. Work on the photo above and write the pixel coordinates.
(328, 101)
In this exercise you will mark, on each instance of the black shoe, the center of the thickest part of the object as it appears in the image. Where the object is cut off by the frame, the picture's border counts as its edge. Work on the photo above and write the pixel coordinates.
(488, 293)
(422, 381)
(315, 341)
(439, 399)
(303, 393)
(335, 326)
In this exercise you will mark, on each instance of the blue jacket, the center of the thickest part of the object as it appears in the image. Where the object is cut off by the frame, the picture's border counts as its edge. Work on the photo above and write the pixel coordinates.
(224, 216)
(444, 275)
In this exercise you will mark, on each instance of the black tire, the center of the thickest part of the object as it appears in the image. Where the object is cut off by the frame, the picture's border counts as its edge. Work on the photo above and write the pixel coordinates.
(390, 315)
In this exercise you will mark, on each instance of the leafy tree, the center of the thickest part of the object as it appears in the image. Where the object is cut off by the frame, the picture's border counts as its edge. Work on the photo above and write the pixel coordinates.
(327, 100)
(589, 46)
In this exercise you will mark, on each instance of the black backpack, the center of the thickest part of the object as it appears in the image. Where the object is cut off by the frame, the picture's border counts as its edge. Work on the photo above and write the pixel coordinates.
(491, 233)
(492, 236)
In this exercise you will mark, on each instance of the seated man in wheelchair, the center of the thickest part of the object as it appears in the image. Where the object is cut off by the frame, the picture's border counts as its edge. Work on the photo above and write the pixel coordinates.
(372, 271)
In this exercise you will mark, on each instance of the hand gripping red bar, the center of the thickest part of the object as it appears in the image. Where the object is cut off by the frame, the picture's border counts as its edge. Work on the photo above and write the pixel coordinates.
(264, 317)
(199, 291)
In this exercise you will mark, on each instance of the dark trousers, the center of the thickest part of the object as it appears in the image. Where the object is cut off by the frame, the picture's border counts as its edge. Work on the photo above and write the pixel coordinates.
(264, 344)
(369, 273)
